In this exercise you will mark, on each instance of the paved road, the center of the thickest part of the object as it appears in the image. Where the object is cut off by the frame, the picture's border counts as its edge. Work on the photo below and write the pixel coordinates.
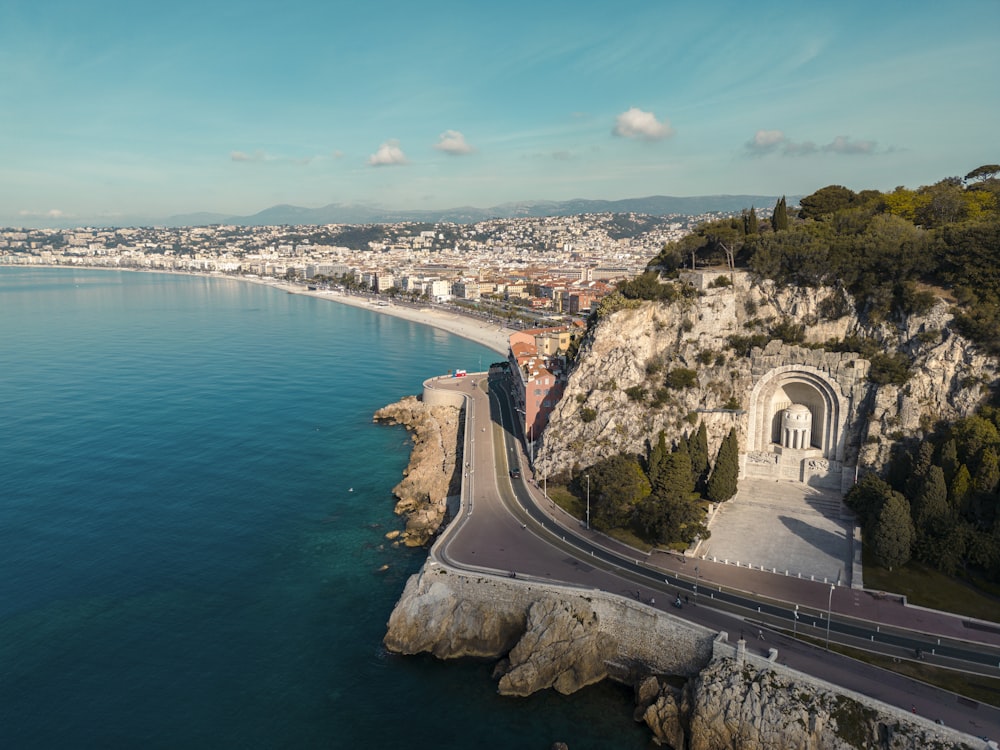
(509, 527)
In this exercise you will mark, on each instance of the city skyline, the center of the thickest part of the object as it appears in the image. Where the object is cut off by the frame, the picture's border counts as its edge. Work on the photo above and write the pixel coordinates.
(234, 108)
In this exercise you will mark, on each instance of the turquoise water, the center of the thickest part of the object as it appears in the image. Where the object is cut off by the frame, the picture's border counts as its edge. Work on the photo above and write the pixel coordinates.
(193, 503)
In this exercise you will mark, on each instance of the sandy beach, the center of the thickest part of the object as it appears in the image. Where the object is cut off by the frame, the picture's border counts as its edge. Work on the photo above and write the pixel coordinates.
(489, 335)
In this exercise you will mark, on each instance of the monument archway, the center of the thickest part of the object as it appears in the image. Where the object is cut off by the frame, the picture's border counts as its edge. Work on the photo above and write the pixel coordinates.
(796, 426)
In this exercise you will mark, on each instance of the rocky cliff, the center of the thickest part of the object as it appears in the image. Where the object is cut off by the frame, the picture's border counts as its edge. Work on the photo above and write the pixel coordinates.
(546, 637)
(620, 372)
(739, 706)
(427, 481)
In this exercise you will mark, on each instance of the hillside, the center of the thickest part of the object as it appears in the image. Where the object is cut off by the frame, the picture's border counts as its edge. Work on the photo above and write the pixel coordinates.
(857, 337)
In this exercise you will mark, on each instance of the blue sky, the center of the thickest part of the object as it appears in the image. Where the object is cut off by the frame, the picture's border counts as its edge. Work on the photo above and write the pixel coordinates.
(118, 109)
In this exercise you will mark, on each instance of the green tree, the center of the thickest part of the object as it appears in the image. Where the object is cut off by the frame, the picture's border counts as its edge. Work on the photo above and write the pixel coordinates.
(961, 485)
(922, 463)
(698, 450)
(988, 474)
(825, 201)
(617, 485)
(779, 217)
(985, 172)
(931, 501)
(657, 465)
(677, 477)
(948, 459)
(723, 481)
(892, 533)
(867, 497)
(750, 223)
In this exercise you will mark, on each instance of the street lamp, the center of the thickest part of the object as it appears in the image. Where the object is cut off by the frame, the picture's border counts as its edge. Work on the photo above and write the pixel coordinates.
(697, 578)
(795, 622)
(829, 606)
(588, 501)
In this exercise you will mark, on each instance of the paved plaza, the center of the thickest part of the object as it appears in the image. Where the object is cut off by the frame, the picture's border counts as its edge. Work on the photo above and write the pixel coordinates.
(784, 526)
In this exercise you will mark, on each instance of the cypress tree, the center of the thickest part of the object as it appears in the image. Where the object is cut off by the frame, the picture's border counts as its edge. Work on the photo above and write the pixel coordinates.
(678, 474)
(892, 533)
(958, 493)
(657, 465)
(698, 450)
(931, 502)
(779, 217)
(722, 482)
(988, 474)
(752, 225)
(918, 471)
(949, 460)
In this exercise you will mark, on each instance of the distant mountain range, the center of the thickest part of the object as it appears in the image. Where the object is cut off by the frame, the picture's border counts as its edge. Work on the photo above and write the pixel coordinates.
(357, 213)
(347, 213)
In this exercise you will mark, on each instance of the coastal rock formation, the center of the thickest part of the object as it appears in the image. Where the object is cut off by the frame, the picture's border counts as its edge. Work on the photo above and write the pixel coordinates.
(427, 481)
(546, 637)
(734, 705)
(619, 374)
(561, 648)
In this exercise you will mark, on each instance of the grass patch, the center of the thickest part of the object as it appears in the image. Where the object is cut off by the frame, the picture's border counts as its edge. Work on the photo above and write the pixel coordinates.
(927, 587)
(577, 508)
(567, 500)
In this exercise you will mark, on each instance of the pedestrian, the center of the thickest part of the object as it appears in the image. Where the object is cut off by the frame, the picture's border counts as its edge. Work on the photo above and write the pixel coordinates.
(760, 634)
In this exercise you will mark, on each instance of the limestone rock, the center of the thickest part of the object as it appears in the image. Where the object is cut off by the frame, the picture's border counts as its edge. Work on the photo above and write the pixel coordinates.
(423, 493)
(431, 617)
(665, 710)
(561, 648)
(637, 347)
(743, 707)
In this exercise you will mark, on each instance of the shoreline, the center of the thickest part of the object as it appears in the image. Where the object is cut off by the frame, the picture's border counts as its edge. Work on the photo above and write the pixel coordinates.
(488, 335)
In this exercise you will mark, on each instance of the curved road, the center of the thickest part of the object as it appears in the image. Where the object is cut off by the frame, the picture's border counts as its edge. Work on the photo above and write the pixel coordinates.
(507, 527)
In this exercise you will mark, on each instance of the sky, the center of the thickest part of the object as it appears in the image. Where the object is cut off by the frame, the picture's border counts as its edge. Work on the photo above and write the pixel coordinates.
(116, 109)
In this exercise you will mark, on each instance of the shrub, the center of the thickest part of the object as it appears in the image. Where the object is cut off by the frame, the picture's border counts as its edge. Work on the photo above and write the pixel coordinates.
(587, 414)
(680, 378)
(636, 393)
(705, 357)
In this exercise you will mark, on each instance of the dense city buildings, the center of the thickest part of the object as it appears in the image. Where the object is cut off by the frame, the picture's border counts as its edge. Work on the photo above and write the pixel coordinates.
(559, 264)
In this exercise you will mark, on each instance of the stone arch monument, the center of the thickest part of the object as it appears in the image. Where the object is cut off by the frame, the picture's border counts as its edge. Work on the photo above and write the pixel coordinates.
(803, 420)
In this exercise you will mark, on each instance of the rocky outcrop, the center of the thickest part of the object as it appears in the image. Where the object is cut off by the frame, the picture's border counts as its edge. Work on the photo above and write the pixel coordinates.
(561, 648)
(546, 636)
(427, 481)
(743, 707)
(549, 637)
(622, 365)
(544, 641)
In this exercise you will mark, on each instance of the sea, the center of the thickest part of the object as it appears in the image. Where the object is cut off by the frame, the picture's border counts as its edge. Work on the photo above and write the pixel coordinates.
(193, 508)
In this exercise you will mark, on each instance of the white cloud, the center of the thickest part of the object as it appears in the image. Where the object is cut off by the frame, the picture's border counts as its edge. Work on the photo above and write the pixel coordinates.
(388, 153)
(634, 123)
(843, 144)
(453, 142)
(773, 141)
(765, 141)
(52, 213)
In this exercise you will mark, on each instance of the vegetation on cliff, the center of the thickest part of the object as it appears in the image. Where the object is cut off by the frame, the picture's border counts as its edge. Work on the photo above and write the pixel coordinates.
(893, 252)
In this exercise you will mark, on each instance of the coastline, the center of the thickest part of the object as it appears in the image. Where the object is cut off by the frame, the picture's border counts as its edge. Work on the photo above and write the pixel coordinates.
(489, 335)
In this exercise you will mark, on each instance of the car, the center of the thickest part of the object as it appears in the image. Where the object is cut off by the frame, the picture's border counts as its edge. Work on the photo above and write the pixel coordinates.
(515, 473)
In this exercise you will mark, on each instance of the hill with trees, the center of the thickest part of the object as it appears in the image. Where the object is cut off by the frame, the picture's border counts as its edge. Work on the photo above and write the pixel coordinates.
(908, 280)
